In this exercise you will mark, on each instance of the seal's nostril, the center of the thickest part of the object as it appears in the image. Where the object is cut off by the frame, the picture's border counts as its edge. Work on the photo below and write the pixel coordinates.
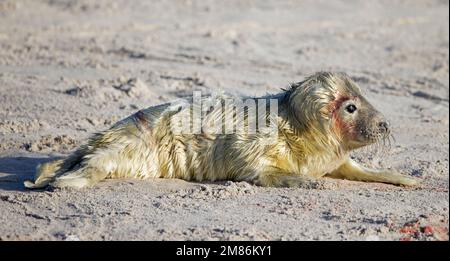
(383, 125)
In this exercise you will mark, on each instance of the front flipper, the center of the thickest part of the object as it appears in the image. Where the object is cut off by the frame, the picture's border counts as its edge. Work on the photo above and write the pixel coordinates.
(353, 171)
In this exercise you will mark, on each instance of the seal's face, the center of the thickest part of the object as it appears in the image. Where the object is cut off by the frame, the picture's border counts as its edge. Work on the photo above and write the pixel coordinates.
(358, 122)
(331, 105)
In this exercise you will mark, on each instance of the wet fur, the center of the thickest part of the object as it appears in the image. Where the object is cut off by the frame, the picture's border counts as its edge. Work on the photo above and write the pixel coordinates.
(309, 145)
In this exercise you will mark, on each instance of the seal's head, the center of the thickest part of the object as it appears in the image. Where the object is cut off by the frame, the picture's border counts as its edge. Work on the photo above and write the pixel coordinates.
(331, 105)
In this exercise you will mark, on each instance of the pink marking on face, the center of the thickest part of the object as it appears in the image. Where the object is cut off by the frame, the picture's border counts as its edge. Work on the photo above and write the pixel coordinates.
(335, 105)
(345, 129)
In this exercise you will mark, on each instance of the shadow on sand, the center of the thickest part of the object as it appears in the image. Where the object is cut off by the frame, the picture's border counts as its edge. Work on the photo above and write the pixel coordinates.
(15, 170)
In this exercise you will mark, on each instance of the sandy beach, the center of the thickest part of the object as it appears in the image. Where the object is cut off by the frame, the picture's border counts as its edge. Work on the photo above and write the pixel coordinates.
(71, 68)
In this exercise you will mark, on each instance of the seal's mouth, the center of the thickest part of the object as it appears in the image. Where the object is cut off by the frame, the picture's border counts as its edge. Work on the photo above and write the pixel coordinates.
(376, 144)
(379, 136)
(373, 136)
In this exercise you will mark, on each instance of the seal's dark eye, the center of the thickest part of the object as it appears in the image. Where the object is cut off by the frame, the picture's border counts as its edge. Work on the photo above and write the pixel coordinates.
(350, 108)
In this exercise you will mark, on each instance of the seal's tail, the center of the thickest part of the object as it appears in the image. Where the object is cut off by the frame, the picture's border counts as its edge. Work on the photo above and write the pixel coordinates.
(45, 174)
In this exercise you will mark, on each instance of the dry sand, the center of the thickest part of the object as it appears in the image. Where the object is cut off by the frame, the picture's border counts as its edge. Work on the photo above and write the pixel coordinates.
(70, 68)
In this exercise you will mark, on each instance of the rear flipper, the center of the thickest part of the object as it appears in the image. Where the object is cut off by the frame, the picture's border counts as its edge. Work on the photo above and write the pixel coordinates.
(83, 177)
(45, 174)
(80, 169)
(118, 152)
(82, 173)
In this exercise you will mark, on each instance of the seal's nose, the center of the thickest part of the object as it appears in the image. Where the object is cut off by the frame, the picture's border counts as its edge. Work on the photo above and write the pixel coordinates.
(383, 126)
